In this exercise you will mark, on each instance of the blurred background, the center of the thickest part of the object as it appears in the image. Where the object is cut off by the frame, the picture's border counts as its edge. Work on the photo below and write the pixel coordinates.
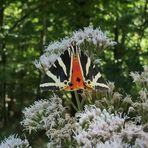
(27, 27)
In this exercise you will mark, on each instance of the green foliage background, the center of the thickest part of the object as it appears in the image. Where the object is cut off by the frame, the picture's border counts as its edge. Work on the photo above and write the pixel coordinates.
(27, 27)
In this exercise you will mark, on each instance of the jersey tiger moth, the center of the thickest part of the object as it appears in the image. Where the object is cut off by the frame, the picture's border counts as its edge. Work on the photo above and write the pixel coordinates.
(73, 70)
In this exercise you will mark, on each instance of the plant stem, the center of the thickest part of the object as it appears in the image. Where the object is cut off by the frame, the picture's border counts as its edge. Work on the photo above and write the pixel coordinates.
(70, 101)
(82, 102)
(78, 101)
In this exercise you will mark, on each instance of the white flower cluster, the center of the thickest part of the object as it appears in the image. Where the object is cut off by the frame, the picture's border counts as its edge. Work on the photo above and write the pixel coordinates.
(61, 134)
(141, 78)
(144, 95)
(111, 86)
(131, 129)
(45, 61)
(89, 38)
(114, 142)
(114, 101)
(13, 141)
(54, 112)
(49, 115)
(90, 128)
(137, 140)
(33, 115)
(95, 126)
(41, 113)
(59, 46)
(89, 34)
(135, 135)
(94, 36)
(58, 125)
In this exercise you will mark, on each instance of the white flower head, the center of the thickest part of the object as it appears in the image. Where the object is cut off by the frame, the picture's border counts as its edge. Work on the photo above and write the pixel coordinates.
(111, 86)
(112, 143)
(88, 39)
(145, 67)
(131, 130)
(92, 36)
(49, 115)
(38, 64)
(33, 115)
(141, 142)
(143, 95)
(53, 46)
(95, 125)
(128, 99)
(142, 78)
(117, 96)
(45, 61)
(59, 46)
(42, 112)
(135, 76)
(131, 109)
(14, 141)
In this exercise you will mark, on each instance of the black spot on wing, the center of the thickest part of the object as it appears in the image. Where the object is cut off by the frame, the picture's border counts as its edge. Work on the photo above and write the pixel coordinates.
(78, 79)
(70, 84)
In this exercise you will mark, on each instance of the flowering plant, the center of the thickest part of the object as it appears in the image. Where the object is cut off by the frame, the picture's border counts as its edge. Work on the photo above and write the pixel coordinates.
(14, 141)
(89, 39)
(101, 120)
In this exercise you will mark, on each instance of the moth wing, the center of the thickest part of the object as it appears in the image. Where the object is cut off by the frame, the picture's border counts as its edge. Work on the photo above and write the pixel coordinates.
(91, 74)
(57, 77)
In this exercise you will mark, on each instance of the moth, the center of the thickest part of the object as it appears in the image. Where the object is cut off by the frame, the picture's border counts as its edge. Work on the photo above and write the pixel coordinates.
(73, 70)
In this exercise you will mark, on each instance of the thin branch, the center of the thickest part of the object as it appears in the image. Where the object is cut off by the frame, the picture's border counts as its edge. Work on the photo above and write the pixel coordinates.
(18, 22)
